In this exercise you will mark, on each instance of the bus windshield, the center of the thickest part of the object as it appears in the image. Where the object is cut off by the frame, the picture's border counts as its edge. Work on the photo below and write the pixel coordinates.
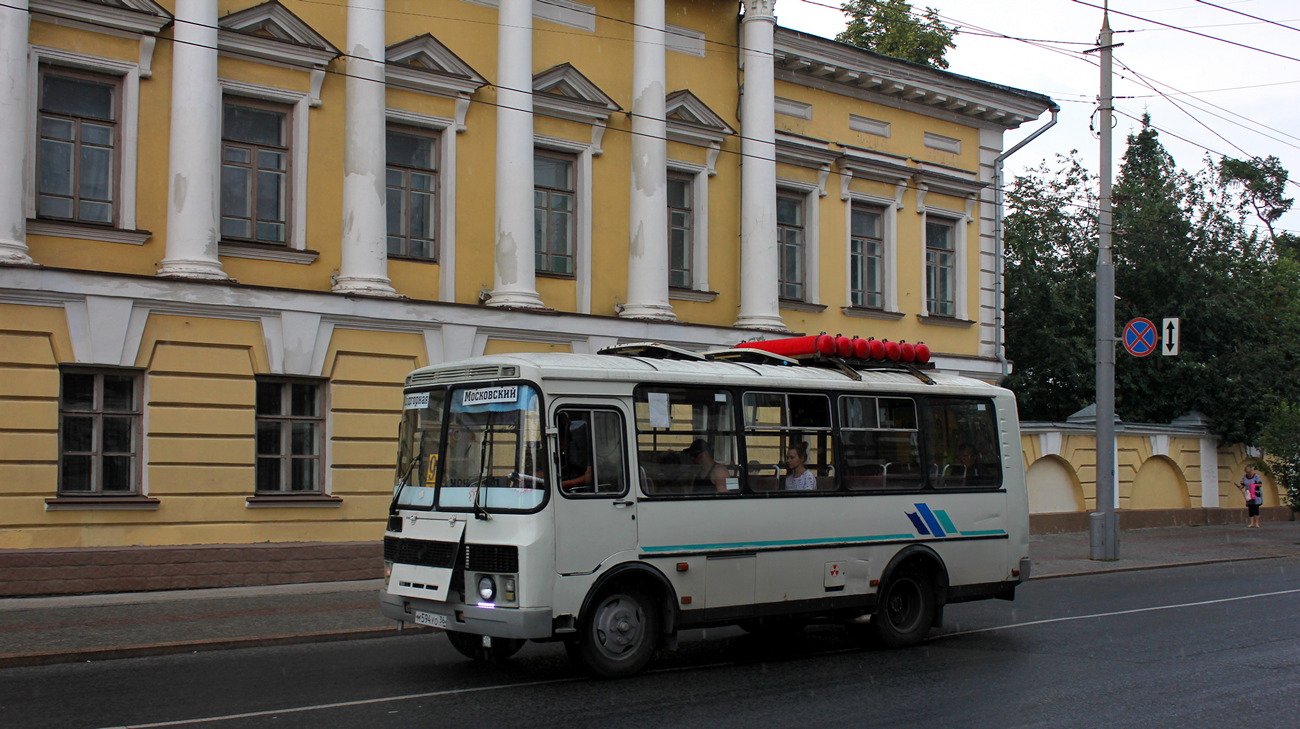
(472, 449)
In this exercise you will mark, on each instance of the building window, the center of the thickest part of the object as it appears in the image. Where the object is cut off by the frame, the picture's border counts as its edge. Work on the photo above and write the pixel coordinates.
(254, 172)
(412, 194)
(554, 207)
(77, 151)
(940, 268)
(290, 430)
(681, 231)
(790, 242)
(99, 433)
(866, 258)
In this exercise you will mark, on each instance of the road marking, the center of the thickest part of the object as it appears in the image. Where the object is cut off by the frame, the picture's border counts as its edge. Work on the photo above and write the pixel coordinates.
(343, 704)
(574, 679)
(1117, 612)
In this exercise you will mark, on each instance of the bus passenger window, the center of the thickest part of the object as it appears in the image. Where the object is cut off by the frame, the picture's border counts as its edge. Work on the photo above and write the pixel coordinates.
(880, 443)
(788, 434)
(962, 443)
(686, 442)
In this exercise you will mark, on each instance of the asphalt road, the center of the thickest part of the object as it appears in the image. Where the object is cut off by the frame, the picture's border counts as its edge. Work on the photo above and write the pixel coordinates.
(1203, 646)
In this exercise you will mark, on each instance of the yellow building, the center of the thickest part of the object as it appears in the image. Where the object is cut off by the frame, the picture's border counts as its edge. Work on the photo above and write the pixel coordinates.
(228, 230)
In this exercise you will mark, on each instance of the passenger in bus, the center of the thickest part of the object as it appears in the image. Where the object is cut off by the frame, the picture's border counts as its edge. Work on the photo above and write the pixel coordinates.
(711, 474)
(798, 478)
(575, 458)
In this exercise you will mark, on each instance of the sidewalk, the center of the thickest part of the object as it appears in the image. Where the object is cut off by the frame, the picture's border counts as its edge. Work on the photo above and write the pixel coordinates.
(46, 630)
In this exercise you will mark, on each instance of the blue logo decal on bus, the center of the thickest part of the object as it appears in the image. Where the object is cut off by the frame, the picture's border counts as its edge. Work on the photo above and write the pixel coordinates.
(936, 522)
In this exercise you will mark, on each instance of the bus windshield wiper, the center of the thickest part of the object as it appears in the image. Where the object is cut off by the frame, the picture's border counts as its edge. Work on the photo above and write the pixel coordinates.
(401, 483)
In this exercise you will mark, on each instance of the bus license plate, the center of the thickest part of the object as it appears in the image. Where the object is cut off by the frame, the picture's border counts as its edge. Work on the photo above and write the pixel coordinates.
(433, 620)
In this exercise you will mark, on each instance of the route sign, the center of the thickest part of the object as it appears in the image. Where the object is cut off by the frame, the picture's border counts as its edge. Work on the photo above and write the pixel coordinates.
(1169, 334)
(1140, 337)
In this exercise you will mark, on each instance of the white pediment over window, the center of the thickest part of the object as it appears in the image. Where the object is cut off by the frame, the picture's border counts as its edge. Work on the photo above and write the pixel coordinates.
(692, 121)
(424, 64)
(271, 32)
(564, 92)
(134, 16)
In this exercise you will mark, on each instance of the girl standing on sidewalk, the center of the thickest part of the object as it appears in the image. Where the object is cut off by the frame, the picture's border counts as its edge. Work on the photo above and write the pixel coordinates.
(1252, 487)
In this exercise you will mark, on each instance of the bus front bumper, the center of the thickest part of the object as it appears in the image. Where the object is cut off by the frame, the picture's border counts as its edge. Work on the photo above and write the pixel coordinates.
(498, 622)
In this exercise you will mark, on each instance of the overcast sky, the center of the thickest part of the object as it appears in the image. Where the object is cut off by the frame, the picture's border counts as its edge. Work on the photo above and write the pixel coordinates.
(1235, 100)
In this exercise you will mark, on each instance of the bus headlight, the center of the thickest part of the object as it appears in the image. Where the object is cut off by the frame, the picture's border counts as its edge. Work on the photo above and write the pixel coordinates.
(487, 588)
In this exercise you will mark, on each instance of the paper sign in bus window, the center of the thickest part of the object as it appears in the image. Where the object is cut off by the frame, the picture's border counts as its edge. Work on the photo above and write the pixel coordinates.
(432, 473)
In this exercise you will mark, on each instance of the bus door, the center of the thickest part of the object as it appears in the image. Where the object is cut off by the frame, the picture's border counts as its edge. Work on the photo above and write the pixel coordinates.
(595, 512)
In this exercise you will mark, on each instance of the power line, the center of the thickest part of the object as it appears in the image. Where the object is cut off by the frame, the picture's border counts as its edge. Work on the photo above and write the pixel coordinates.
(1192, 32)
(1248, 15)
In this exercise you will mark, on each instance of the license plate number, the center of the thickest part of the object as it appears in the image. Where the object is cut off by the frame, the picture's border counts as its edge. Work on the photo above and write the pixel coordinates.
(433, 620)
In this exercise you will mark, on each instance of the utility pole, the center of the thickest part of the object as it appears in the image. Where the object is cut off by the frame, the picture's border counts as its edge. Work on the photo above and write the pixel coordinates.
(1103, 524)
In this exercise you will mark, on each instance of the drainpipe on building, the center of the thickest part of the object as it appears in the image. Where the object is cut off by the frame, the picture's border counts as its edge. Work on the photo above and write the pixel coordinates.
(999, 332)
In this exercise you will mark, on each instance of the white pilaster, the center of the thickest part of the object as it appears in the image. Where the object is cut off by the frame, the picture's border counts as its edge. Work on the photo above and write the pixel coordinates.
(194, 164)
(1210, 473)
(647, 263)
(13, 132)
(759, 268)
(515, 277)
(364, 264)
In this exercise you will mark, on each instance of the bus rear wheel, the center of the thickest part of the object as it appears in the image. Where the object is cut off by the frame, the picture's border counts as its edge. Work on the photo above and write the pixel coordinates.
(619, 635)
(904, 610)
(471, 646)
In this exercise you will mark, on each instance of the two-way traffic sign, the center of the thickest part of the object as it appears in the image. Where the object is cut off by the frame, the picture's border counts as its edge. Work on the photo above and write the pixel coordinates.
(1169, 335)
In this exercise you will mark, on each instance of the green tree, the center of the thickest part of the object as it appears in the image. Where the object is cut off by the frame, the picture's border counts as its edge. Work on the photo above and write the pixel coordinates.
(1181, 249)
(1050, 237)
(890, 28)
(1280, 439)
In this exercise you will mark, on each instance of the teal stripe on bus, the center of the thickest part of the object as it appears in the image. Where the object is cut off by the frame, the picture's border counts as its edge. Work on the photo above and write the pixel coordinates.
(777, 543)
(808, 542)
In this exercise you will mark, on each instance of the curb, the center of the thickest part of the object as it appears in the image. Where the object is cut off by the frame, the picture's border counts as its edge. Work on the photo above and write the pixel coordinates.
(50, 658)
(1140, 567)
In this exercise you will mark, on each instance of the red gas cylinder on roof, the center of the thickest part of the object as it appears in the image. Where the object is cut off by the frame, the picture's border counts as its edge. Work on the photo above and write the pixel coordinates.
(906, 352)
(922, 353)
(823, 344)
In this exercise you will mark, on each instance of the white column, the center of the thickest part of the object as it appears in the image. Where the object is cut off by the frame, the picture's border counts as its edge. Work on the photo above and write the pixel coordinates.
(647, 261)
(13, 132)
(364, 265)
(515, 278)
(759, 269)
(194, 165)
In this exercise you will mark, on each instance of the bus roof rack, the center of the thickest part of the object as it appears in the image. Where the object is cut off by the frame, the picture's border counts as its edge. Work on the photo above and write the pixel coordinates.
(750, 356)
(651, 350)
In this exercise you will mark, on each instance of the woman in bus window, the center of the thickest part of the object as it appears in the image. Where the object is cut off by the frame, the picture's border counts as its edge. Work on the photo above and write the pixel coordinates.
(799, 477)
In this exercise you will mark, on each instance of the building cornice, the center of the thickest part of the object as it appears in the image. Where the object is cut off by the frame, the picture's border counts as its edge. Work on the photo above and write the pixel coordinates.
(810, 60)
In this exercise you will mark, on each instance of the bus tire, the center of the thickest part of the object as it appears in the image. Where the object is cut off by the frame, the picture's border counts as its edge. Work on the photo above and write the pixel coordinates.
(904, 609)
(470, 645)
(619, 634)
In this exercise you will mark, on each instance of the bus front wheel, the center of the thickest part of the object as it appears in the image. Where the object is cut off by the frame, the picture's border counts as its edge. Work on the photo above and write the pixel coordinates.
(619, 634)
(471, 646)
(904, 610)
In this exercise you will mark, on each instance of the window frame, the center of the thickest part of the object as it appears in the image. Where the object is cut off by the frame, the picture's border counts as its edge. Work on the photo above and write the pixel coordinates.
(594, 434)
(688, 237)
(294, 249)
(783, 280)
(255, 149)
(79, 143)
(542, 247)
(934, 270)
(97, 413)
(127, 143)
(858, 260)
(287, 457)
(435, 226)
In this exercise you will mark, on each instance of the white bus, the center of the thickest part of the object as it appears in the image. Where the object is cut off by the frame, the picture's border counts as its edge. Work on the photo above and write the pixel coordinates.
(612, 500)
